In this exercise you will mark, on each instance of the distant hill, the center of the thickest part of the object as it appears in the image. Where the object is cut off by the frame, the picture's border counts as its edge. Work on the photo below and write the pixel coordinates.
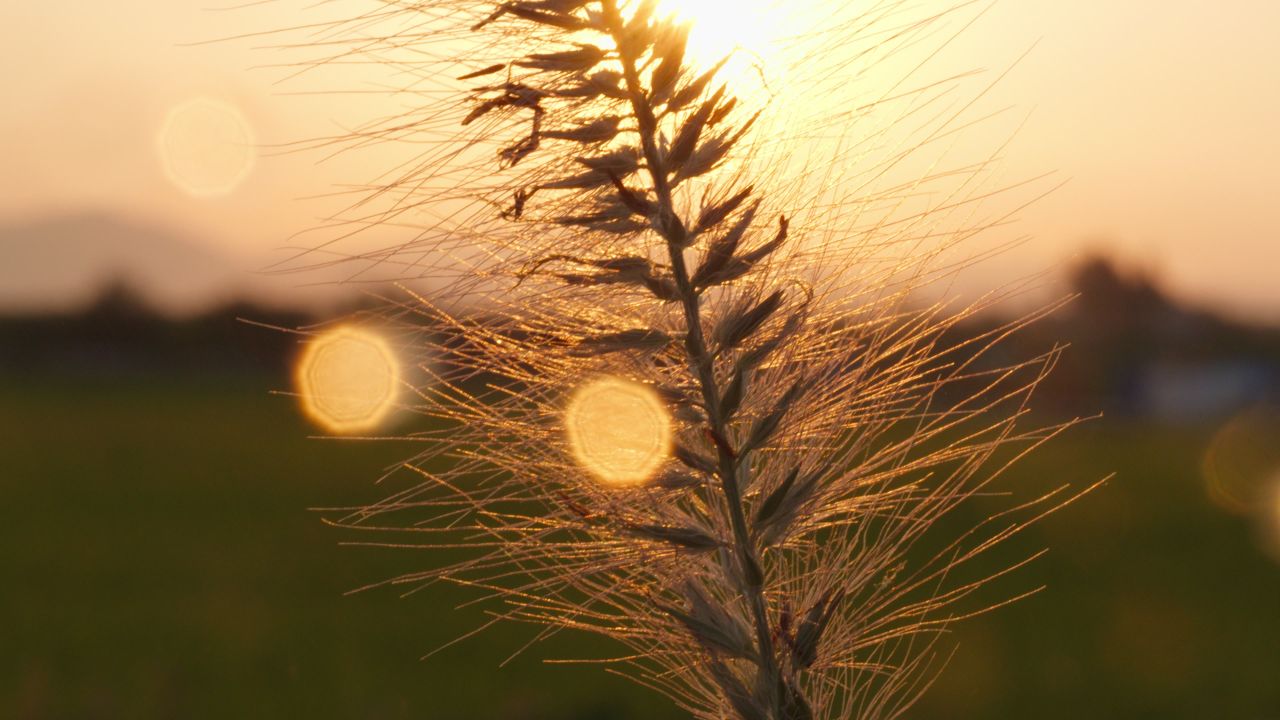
(63, 262)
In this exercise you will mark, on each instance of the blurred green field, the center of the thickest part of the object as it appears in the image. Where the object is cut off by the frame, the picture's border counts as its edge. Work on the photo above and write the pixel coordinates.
(159, 561)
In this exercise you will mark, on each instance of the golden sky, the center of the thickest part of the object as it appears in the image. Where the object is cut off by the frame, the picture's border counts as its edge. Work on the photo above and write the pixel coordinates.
(1162, 115)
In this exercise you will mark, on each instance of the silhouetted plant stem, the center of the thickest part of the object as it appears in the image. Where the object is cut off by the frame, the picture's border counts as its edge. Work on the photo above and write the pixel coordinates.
(549, 319)
(672, 228)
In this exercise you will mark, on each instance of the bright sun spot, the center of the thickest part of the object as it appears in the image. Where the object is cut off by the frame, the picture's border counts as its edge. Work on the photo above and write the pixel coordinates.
(347, 380)
(206, 147)
(619, 430)
(748, 30)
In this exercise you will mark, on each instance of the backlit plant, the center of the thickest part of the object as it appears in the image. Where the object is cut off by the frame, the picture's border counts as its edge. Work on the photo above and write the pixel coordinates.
(683, 394)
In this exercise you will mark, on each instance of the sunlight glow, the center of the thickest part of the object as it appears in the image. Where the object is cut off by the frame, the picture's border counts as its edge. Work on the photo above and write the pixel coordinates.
(206, 147)
(619, 430)
(748, 30)
(347, 380)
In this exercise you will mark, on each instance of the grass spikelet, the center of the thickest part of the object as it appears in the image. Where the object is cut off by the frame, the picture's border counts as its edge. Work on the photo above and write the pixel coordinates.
(598, 206)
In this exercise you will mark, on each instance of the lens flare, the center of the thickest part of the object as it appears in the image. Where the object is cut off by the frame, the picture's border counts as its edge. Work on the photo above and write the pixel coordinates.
(619, 430)
(347, 380)
(206, 147)
(1269, 514)
(1242, 458)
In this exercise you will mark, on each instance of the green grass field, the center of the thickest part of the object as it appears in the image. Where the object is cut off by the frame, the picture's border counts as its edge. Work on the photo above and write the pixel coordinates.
(159, 561)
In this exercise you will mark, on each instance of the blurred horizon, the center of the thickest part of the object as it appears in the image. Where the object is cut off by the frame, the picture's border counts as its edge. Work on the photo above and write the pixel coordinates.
(63, 262)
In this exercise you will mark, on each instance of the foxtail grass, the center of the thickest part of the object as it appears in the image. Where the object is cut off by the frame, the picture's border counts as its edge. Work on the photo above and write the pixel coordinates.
(586, 200)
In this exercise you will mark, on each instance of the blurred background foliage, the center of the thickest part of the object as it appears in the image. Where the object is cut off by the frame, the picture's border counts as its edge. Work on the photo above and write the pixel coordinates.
(159, 559)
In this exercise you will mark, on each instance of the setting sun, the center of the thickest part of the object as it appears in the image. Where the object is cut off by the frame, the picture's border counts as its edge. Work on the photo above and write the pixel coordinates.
(746, 31)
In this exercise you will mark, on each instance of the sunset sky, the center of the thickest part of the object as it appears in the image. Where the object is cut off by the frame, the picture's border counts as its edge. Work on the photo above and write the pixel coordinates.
(1162, 116)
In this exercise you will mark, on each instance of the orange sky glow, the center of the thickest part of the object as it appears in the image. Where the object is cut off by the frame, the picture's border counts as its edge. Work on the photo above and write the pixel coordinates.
(1162, 117)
